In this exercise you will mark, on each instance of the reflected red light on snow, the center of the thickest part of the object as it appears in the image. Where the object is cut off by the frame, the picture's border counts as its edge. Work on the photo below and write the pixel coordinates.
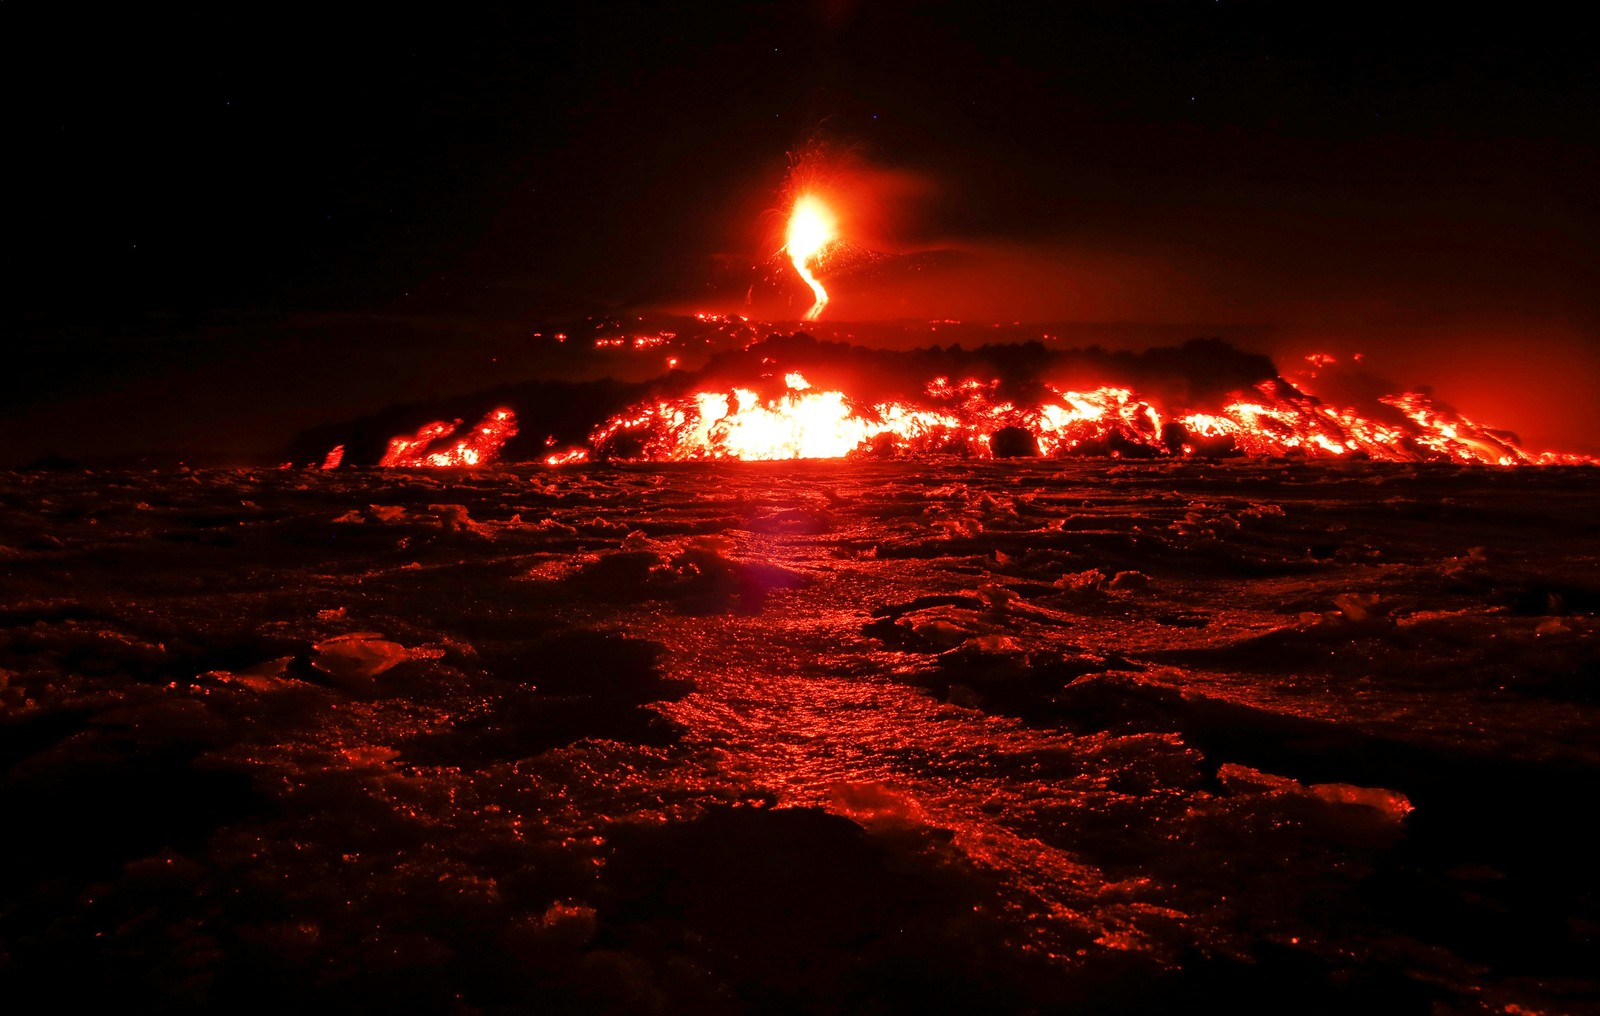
(963, 418)
(478, 447)
(811, 228)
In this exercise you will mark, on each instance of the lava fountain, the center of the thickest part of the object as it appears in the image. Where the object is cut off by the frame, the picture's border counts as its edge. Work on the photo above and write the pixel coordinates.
(811, 228)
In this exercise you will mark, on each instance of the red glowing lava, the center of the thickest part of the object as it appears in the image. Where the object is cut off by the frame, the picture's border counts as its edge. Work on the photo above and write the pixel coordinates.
(969, 418)
(570, 457)
(800, 424)
(972, 418)
(478, 447)
(811, 228)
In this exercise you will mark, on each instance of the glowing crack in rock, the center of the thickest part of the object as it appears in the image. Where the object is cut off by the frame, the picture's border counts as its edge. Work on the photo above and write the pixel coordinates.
(811, 228)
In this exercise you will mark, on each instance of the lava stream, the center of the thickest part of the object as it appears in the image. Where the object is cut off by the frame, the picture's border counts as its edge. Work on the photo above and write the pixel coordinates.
(974, 418)
(811, 228)
(971, 419)
(478, 448)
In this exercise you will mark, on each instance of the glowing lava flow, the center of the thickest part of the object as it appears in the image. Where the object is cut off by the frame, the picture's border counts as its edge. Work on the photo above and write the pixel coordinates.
(969, 418)
(811, 228)
(478, 448)
(802, 423)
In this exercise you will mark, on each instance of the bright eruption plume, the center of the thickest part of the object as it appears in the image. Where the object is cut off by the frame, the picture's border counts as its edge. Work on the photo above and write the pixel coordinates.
(811, 228)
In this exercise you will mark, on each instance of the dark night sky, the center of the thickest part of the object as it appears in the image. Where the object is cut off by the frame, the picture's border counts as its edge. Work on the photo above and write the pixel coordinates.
(206, 210)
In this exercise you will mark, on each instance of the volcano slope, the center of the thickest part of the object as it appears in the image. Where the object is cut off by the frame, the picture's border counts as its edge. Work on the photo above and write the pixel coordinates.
(797, 737)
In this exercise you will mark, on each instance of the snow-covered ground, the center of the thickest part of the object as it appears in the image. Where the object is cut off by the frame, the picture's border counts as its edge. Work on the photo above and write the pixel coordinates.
(765, 737)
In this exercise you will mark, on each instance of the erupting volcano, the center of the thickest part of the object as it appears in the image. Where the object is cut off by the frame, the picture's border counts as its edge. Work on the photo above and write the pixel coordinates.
(742, 389)
(801, 509)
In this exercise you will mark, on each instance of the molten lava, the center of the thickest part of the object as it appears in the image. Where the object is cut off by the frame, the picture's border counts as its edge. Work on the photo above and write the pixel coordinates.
(478, 447)
(802, 423)
(964, 418)
(812, 228)
(570, 457)
(974, 418)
